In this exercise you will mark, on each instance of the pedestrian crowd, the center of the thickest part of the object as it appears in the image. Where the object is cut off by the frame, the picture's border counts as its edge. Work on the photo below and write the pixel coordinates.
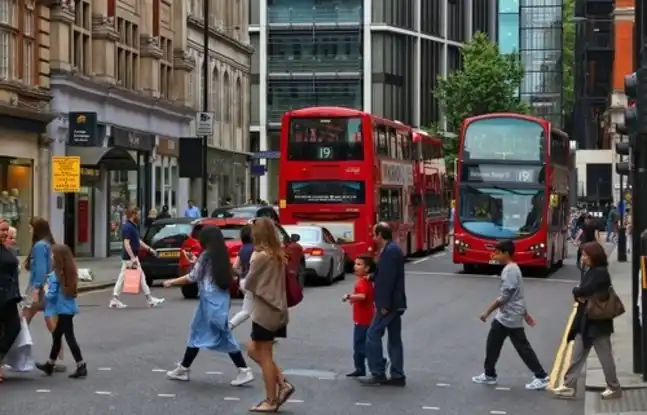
(378, 302)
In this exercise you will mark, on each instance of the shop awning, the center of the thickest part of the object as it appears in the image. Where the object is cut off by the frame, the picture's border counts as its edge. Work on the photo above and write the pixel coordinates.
(111, 157)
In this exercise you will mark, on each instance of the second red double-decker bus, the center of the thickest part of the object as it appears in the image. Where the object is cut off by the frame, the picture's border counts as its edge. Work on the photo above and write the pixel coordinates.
(513, 182)
(346, 170)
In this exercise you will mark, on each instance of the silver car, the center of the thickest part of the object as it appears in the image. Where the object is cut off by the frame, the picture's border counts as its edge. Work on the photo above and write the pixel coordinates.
(324, 257)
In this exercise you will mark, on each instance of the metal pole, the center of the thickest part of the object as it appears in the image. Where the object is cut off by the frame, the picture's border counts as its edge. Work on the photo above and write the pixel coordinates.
(205, 105)
(622, 235)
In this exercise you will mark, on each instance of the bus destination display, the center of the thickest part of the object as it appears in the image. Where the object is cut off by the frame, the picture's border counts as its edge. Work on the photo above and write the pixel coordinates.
(496, 173)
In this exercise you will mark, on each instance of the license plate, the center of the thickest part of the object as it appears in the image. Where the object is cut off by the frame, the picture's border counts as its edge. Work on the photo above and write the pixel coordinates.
(169, 254)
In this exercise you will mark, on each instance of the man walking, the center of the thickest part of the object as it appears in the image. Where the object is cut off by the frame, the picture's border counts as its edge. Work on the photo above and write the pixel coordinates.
(390, 304)
(192, 211)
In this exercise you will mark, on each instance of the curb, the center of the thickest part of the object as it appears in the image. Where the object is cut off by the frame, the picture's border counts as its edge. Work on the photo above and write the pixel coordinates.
(95, 286)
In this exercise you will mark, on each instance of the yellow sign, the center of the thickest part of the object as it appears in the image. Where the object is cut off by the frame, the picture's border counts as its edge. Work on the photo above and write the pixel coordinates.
(282, 204)
(66, 174)
(453, 204)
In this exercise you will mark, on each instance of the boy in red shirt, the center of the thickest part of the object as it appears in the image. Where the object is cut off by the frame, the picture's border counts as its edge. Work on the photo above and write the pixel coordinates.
(363, 312)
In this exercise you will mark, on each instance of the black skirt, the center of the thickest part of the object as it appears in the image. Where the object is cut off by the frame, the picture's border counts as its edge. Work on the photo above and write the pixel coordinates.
(261, 334)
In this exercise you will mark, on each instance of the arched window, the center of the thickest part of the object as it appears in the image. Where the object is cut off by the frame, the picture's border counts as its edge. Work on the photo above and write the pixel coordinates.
(216, 104)
(227, 89)
(240, 107)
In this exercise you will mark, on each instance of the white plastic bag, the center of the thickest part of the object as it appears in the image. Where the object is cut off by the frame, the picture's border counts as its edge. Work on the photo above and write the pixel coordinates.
(19, 358)
(85, 275)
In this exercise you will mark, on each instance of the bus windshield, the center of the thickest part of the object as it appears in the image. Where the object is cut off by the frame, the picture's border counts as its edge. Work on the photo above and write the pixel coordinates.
(500, 213)
(325, 139)
(504, 138)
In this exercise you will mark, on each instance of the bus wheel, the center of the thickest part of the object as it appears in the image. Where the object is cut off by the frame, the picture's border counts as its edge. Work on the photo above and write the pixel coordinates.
(409, 253)
(469, 268)
(348, 264)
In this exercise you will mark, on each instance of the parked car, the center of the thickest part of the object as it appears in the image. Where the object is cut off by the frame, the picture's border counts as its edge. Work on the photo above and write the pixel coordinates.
(324, 258)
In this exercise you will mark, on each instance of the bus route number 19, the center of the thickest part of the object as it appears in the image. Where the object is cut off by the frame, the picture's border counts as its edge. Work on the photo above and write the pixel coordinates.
(325, 153)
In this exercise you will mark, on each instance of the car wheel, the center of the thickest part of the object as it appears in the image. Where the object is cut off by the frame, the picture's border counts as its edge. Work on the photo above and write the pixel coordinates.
(190, 291)
(149, 281)
(330, 278)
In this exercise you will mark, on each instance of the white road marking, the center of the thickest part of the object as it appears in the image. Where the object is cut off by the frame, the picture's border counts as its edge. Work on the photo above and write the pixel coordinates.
(363, 404)
(294, 401)
(214, 373)
(104, 369)
(431, 408)
(502, 388)
(490, 277)
(231, 398)
(104, 393)
(160, 370)
(166, 395)
(443, 385)
(427, 258)
(498, 412)
(43, 391)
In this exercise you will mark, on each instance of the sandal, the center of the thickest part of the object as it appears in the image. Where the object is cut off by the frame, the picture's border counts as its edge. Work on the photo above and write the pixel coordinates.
(266, 406)
(286, 390)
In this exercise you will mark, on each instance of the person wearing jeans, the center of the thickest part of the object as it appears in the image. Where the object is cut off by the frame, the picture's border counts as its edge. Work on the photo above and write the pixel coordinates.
(129, 259)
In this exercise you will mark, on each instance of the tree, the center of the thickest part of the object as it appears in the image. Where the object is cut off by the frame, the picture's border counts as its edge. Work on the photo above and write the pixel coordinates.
(488, 82)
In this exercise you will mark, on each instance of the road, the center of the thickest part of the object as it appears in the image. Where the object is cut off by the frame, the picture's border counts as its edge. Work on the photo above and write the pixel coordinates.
(127, 351)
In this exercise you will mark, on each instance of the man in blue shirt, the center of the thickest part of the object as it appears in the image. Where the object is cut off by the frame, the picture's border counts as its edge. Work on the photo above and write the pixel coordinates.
(192, 211)
(390, 304)
(129, 259)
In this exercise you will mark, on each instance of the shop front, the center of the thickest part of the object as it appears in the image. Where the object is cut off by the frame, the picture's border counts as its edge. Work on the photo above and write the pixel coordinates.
(166, 177)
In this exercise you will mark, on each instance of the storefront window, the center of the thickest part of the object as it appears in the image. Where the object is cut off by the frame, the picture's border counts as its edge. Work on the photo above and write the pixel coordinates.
(16, 192)
(120, 197)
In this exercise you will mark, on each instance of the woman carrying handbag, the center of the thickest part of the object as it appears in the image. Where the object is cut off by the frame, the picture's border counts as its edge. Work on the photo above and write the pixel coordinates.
(598, 304)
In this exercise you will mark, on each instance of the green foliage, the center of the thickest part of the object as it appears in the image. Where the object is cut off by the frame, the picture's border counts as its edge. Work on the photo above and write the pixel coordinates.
(487, 82)
(568, 57)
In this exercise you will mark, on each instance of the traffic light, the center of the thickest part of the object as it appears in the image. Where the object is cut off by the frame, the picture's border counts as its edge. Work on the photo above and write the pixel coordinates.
(636, 91)
(622, 149)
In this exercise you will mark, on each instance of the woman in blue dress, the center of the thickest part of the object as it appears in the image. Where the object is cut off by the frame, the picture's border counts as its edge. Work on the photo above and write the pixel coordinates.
(210, 326)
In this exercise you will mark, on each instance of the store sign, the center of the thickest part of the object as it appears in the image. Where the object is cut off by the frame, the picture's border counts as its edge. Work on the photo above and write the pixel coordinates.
(169, 147)
(503, 173)
(396, 174)
(83, 129)
(66, 174)
(131, 140)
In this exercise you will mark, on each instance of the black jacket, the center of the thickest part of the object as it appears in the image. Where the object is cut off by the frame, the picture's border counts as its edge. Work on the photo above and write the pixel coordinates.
(9, 284)
(389, 280)
(595, 280)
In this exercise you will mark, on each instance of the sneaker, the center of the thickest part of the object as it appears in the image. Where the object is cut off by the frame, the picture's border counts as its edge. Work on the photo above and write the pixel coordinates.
(611, 393)
(538, 384)
(484, 379)
(564, 392)
(154, 302)
(245, 376)
(115, 303)
(179, 373)
(356, 374)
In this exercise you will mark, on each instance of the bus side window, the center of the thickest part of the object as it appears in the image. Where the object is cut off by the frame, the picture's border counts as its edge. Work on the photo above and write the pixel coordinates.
(381, 141)
(390, 205)
(432, 204)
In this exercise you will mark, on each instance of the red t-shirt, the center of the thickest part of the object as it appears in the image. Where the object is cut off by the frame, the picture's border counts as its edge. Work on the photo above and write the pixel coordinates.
(363, 310)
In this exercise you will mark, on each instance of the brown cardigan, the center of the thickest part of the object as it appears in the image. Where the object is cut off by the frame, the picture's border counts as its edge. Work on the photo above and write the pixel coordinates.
(266, 281)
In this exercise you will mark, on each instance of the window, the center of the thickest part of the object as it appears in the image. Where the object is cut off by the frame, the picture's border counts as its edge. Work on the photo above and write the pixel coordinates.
(16, 179)
(393, 143)
(433, 205)
(504, 138)
(5, 52)
(559, 149)
(80, 40)
(127, 53)
(390, 205)
(227, 89)
(325, 139)
(216, 95)
(240, 108)
(166, 68)
(326, 192)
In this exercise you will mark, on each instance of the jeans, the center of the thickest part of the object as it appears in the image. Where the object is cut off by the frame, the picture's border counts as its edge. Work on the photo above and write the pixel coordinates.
(609, 229)
(359, 347)
(495, 339)
(392, 322)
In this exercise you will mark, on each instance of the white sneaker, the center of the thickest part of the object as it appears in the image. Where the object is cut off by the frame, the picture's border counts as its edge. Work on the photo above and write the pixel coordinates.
(245, 376)
(154, 302)
(611, 393)
(564, 392)
(538, 384)
(484, 379)
(179, 373)
(116, 303)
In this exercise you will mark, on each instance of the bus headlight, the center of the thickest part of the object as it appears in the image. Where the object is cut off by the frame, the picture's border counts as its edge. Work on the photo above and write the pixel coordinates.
(461, 246)
(538, 249)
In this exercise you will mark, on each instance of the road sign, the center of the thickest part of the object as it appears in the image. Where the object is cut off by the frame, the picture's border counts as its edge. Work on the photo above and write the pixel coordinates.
(204, 123)
(66, 174)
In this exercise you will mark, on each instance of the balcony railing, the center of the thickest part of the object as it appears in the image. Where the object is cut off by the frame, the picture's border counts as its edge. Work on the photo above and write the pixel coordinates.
(293, 64)
(314, 15)
(277, 109)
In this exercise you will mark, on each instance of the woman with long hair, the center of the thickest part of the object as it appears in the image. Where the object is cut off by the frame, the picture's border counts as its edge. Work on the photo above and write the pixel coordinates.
(588, 333)
(210, 326)
(266, 281)
(60, 301)
(9, 297)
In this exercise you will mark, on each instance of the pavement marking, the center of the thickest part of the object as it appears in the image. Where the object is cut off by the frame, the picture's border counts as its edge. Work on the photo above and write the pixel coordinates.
(104, 393)
(443, 385)
(427, 258)
(362, 404)
(559, 363)
(214, 373)
(160, 370)
(294, 401)
(104, 369)
(456, 274)
(43, 391)
(231, 398)
(498, 412)
(431, 408)
(166, 395)
(502, 388)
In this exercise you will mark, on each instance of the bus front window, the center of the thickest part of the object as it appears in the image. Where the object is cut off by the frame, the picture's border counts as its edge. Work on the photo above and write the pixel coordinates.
(500, 213)
(504, 138)
(325, 139)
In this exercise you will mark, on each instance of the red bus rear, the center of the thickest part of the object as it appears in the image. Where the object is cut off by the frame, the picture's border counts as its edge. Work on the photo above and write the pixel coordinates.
(347, 170)
(512, 183)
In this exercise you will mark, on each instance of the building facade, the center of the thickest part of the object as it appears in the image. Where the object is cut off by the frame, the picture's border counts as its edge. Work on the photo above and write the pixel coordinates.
(120, 77)
(25, 111)
(229, 82)
(380, 56)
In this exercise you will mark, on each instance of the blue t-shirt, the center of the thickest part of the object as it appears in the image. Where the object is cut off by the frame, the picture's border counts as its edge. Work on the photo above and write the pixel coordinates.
(130, 231)
(245, 255)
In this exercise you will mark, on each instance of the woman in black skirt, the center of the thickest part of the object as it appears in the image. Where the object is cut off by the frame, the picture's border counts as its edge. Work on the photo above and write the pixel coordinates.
(9, 296)
(266, 281)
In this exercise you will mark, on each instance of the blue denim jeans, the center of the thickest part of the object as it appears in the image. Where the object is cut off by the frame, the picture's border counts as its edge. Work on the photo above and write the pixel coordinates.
(359, 347)
(392, 323)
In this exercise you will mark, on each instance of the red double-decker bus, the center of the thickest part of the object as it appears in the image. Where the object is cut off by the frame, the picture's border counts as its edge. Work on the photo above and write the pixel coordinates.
(347, 170)
(512, 183)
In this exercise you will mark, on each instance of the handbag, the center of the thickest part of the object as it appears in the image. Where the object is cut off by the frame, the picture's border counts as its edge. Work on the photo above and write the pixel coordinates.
(293, 290)
(604, 305)
(132, 280)
(19, 358)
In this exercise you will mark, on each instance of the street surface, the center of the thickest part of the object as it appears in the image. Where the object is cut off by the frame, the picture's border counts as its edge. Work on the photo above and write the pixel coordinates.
(129, 350)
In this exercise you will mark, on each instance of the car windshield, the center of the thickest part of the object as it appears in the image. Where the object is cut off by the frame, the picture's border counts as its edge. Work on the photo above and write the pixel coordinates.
(500, 213)
(231, 232)
(306, 235)
(167, 234)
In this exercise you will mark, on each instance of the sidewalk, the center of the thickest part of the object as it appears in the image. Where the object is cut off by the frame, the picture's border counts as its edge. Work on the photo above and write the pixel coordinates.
(104, 271)
(634, 399)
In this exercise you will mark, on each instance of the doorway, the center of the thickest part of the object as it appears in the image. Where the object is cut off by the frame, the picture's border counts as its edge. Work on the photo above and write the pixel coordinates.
(79, 222)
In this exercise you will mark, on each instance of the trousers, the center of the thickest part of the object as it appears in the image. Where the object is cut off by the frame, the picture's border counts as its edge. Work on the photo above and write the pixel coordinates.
(119, 285)
(603, 349)
(9, 327)
(495, 339)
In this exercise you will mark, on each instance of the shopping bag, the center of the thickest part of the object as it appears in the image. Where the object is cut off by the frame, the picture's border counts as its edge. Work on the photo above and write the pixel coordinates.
(85, 275)
(19, 358)
(132, 280)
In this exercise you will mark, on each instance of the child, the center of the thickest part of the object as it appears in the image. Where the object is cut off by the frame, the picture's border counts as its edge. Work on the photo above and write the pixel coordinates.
(363, 312)
(60, 301)
(241, 266)
(510, 315)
